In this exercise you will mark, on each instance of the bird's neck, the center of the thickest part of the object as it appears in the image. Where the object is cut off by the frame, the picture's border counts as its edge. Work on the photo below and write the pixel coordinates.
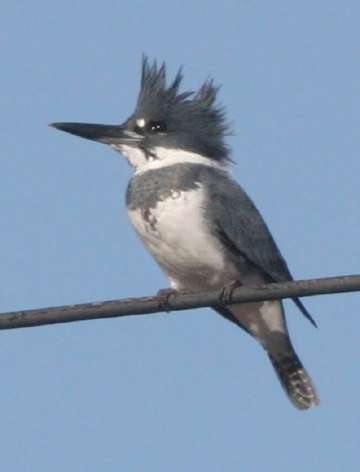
(161, 157)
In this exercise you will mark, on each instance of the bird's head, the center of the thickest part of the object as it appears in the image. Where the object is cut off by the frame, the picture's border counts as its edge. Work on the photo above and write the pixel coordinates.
(167, 125)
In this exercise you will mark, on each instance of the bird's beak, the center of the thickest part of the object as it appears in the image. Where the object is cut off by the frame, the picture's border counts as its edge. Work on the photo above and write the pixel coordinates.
(115, 135)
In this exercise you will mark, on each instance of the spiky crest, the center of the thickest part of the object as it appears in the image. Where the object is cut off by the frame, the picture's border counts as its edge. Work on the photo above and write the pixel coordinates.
(189, 112)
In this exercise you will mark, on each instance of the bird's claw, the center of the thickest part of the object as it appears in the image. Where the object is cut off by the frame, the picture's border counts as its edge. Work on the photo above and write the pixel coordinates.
(164, 296)
(227, 292)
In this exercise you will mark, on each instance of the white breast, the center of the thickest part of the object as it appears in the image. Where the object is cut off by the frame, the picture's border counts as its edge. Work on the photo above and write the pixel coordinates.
(177, 236)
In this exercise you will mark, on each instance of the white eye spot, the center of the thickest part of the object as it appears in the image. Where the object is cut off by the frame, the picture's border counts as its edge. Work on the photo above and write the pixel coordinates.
(140, 123)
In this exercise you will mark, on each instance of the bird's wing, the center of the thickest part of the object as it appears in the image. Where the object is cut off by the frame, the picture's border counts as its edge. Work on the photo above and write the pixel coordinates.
(242, 229)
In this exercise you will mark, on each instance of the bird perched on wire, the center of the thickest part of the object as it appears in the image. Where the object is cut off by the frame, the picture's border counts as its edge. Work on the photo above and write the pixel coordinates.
(197, 222)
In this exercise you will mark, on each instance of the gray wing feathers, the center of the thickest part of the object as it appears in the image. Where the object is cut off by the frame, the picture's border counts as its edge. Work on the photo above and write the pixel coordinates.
(241, 226)
(243, 230)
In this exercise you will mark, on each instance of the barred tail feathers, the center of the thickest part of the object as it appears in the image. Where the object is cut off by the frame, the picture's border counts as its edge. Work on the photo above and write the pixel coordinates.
(295, 380)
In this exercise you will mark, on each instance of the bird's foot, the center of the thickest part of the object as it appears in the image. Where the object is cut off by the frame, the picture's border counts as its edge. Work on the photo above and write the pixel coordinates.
(227, 292)
(164, 296)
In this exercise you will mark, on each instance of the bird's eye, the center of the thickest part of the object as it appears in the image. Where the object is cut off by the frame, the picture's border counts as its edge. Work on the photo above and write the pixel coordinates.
(154, 127)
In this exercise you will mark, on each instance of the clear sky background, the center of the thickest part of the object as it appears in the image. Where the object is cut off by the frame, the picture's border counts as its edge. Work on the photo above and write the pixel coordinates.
(185, 391)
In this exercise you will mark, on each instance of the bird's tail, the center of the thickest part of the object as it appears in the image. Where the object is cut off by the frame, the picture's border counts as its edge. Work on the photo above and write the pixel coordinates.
(295, 380)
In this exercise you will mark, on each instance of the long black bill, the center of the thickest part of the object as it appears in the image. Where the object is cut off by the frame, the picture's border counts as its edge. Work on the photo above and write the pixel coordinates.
(107, 134)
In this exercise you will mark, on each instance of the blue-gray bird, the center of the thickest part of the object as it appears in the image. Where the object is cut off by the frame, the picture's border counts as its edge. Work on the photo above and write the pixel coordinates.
(197, 222)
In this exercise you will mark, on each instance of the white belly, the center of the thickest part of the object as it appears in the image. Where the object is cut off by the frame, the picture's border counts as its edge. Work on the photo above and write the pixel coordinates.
(176, 235)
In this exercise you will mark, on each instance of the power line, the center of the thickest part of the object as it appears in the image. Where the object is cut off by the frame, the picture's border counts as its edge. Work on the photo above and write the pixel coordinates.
(155, 304)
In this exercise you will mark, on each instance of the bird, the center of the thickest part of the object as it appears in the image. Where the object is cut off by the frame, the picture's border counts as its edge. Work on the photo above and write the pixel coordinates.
(198, 223)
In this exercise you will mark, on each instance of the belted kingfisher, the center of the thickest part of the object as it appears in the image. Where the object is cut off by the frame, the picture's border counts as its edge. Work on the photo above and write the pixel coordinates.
(197, 222)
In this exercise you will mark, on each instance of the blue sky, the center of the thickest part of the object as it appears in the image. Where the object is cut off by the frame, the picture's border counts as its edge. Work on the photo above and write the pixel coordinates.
(185, 391)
